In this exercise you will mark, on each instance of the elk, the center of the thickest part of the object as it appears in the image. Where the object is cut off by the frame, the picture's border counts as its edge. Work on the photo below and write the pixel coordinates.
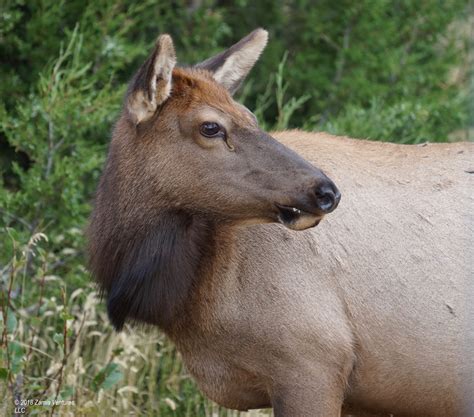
(205, 226)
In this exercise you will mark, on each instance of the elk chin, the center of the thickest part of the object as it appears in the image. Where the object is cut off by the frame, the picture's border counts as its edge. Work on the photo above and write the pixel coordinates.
(296, 219)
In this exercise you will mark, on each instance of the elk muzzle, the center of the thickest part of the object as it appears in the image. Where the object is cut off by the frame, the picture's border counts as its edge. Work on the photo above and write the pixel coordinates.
(309, 210)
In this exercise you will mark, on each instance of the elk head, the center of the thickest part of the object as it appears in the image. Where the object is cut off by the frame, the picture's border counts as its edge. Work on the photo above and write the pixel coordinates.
(185, 157)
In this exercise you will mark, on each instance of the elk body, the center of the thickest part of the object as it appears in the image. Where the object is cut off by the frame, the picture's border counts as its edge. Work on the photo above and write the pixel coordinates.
(204, 226)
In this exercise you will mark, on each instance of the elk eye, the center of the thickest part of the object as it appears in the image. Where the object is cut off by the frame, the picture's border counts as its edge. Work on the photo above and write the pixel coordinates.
(211, 129)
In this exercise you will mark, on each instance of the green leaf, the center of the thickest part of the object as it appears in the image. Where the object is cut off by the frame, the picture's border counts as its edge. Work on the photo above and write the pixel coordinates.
(16, 353)
(3, 373)
(35, 321)
(59, 339)
(66, 316)
(11, 321)
(107, 377)
(67, 392)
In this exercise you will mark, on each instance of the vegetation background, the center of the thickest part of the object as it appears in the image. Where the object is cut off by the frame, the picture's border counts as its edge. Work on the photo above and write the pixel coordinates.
(393, 70)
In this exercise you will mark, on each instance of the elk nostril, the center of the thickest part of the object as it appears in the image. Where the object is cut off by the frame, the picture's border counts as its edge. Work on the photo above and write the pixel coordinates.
(327, 198)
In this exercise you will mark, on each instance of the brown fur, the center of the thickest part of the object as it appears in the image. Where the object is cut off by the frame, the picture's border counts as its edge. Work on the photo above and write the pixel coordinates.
(364, 312)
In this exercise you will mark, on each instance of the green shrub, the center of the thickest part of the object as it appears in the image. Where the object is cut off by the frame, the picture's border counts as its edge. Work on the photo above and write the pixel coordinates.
(403, 122)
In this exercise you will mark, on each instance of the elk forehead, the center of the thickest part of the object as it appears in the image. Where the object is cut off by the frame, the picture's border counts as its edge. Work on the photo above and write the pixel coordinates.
(196, 89)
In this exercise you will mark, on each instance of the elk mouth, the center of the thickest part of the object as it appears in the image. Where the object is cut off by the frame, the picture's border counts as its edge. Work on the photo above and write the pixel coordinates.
(297, 219)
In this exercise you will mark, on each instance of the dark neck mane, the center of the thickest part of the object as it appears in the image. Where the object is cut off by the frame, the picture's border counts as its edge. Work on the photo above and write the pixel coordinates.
(149, 273)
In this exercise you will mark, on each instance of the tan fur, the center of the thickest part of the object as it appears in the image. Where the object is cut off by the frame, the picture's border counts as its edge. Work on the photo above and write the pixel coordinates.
(376, 295)
(366, 312)
(372, 302)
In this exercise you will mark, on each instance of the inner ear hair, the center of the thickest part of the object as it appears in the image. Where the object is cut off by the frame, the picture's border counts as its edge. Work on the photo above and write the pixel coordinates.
(151, 85)
(230, 67)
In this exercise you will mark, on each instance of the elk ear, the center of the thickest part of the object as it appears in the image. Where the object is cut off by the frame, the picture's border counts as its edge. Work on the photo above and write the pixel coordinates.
(151, 85)
(230, 67)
